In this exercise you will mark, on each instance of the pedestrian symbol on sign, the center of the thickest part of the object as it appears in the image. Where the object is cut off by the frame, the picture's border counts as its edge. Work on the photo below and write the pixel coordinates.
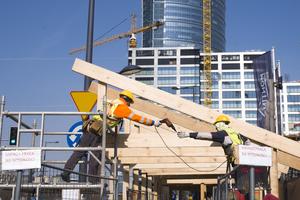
(74, 139)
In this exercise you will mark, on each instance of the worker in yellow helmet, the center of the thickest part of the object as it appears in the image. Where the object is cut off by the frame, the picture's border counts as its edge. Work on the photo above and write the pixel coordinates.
(225, 135)
(92, 130)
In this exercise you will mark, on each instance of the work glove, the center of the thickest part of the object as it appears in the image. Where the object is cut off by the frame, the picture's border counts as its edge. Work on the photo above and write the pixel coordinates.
(183, 134)
(157, 123)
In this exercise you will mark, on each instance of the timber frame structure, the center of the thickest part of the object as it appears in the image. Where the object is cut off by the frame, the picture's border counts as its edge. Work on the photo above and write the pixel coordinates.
(152, 151)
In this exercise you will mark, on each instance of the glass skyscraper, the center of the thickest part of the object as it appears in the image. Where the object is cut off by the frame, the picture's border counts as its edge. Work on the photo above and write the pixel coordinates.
(183, 24)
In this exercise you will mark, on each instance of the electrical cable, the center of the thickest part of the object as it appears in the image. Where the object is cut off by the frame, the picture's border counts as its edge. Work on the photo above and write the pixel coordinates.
(184, 160)
(111, 29)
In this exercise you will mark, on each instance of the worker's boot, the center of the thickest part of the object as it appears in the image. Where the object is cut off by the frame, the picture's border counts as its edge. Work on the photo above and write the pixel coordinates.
(65, 176)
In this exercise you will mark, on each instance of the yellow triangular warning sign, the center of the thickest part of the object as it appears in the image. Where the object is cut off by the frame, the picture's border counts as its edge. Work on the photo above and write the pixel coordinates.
(84, 101)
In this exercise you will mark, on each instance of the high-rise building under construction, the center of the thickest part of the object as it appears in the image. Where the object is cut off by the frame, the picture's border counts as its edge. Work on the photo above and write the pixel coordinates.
(183, 24)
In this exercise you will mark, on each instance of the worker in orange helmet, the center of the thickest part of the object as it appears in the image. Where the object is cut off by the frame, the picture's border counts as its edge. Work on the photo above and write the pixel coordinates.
(224, 135)
(92, 130)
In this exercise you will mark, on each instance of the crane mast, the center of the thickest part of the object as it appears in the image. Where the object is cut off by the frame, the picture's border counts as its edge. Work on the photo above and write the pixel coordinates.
(206, 11)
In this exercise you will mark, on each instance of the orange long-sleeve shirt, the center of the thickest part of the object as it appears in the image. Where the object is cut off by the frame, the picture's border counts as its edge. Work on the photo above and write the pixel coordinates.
(124, 111)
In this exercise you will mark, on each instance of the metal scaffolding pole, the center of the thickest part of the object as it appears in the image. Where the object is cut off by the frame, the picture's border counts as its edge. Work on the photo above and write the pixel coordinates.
(104, 118)
(2, 103)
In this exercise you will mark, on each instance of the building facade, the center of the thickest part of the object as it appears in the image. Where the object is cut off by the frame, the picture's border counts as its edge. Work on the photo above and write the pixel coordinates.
(290, 101)
(183, 24)
(177, 71)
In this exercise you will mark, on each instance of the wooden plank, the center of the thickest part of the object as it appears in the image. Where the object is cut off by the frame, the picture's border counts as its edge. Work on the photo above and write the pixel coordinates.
(184, 106)
(165, 159)
(160, 112)
(185, 171)
(179, 165)
(211, 181)
(162, 152)
(288, 159)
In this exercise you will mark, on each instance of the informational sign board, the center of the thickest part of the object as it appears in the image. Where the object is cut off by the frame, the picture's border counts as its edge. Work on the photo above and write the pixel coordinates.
(253, 155)
(21, 159)
(74, 139)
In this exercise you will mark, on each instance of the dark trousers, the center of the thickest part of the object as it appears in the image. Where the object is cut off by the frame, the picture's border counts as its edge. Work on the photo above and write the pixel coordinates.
(86, 140)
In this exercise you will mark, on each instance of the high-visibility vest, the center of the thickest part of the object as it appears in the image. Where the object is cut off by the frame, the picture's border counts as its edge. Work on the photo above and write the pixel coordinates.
(236, 140)
(234, 136)
(112, 120)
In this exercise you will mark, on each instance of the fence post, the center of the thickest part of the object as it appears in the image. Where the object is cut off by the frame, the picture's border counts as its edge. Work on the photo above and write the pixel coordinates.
(18, 185)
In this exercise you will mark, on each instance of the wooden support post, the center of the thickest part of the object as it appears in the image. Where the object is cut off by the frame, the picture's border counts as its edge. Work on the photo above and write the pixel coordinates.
(274, 175)
(125, 184)
(202, 191)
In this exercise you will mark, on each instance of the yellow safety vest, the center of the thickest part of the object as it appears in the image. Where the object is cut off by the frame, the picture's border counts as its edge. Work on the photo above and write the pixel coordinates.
(236, 140)
(112, 120)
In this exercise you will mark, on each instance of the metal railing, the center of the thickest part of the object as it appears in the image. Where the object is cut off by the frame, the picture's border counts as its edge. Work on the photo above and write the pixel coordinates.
(38, 182)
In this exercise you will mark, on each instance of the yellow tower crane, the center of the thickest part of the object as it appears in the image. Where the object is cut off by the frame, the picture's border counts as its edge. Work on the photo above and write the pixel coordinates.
(131, 34)
(206, 11)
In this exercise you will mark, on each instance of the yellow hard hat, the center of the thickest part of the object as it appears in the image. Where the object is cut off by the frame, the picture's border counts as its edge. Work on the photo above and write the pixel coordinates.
(128, 94)
(222, 118)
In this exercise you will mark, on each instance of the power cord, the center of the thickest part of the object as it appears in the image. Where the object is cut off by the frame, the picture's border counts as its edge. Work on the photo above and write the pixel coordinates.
(183, 159)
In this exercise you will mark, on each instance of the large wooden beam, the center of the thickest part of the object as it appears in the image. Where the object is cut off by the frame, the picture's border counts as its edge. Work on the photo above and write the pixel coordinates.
(184, 106)
(159, 111)
(288, 160)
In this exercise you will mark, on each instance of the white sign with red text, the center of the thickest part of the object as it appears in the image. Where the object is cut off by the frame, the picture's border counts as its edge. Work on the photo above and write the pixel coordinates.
(21, 159)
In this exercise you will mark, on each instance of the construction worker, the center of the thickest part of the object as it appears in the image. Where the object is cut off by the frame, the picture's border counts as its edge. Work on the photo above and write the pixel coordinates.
(225, 135)
(92, 130)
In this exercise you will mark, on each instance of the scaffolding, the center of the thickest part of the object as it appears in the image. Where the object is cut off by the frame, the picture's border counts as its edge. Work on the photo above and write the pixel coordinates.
(46, 183)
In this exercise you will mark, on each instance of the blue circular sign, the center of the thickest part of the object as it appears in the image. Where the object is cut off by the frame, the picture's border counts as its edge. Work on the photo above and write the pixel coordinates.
(74, 139)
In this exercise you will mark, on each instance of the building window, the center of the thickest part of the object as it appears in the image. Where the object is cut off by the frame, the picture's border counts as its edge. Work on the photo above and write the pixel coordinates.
(166, 71)
(212, 58)
(293, 89)
(189, 71)
(231, 85)
(146, 71)
(146, 80)
(231, 75)
(230, 57)
(129, 53)
(248, 66)
(189, 52)
(249, 85)
(294, 118)
(293, 98)
(249, 75)
(251, 114)
(294, 108)
(142, 53)
(189, 61)
(189, 80)
(144, 62)
(166, 80)
(230, 66)
(215, 85)
(189, 90)
(231, 94)
(250, 94)
(250, 104)
(231, 104)
(233, 113)
(215, 95)
(250, 57)
(168, 89)
(167, 52)
(167, 61)
(213, 66)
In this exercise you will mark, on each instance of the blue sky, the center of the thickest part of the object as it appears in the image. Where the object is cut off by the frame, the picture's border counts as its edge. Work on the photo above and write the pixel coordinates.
(36, 36)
